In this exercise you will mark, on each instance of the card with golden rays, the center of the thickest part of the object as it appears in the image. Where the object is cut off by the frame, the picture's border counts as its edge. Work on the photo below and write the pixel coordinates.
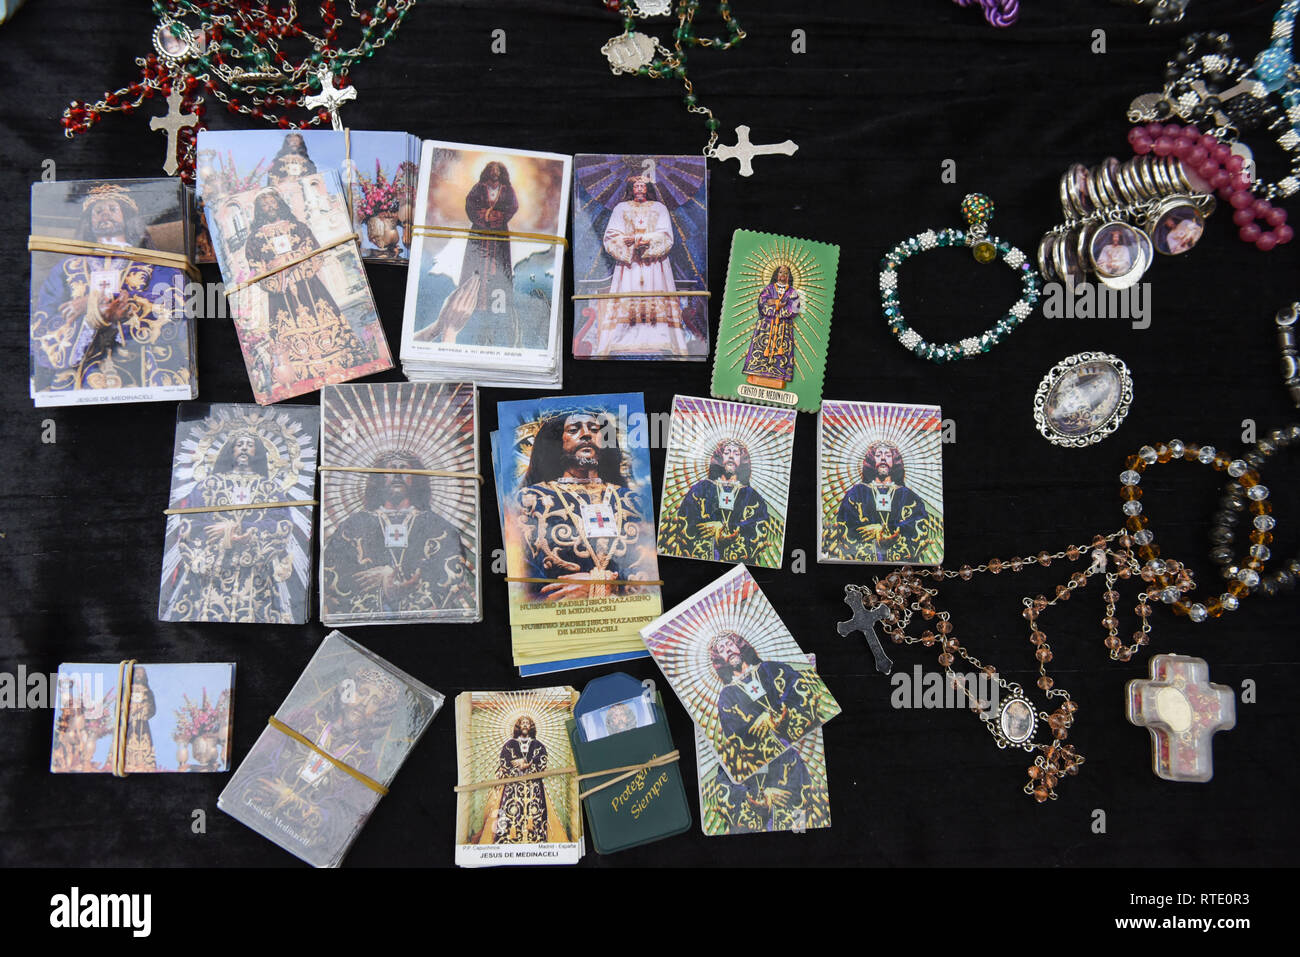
(726, 482)
(880, 474)
(640, 257)
(775, 320)
(330, 752)
(517, 784)
(400, 504)
(739, 674)
(224, 557)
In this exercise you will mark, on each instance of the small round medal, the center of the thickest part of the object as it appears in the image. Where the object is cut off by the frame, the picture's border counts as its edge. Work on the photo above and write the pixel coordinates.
(1119, 254)
(1176, 226)
(1016, 720)
(1083, 399)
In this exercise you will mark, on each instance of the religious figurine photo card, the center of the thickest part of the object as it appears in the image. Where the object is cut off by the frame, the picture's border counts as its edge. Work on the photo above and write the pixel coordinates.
(775, 320)
(484, 297)
(224, 559)
(298, 293)
(880, 472)
(739, 674)
(131, 718)
(400, 504)
(726, 482)
(330, 752)
(516, 782)
(577, 514)
(110, 266)
(790, 795)
(640, 257)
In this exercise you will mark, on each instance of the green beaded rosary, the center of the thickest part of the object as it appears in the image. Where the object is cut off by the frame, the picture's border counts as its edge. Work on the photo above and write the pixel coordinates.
(978, 211)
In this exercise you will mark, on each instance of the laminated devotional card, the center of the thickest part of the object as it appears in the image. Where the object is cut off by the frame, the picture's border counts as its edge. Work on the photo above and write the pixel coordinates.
(400, 504)
(576, 505)
(330, 752)
(726, 482)
(640, 257)
(133, 718)
(110, 264)
(880, 474)
(298, 293)
(484, 296)
(241, 514)
(775, 320)
(516, 784)
(739, 673)
(789, 795)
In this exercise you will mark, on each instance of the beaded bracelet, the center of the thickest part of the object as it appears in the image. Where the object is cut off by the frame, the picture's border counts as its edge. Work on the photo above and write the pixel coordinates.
(1169, 587)
(1235, 501)
(978, 210)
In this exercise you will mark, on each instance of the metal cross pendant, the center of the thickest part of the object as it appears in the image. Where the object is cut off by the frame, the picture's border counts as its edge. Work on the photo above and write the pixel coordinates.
(1182, 709)
(330, 98)
(744, 151)
(1204, 92)
(865, 622)
(173, 123)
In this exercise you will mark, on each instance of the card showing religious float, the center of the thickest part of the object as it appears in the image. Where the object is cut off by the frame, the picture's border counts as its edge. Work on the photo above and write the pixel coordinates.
(297, 290)
(775, 320)
(108, 320)
(400, 504)
(880, 471)
(224, 558)
(330, 752)
(142, 718)
(378, 172)
(515, 801)
(640, 257)
(726, 482)
(577, 513)
(739, 674)
(485, 290)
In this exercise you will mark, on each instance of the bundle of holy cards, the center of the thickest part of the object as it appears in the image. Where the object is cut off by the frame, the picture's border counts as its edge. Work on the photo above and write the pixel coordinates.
(330, 752)
(755, 698)
(240, 518)
(631, 782)
(400, 530)
(775, 320)
(880, 475)
(485, 290)
(640, 257)
(378, 170)
(132, 718)
(516, 782)
(297, 291)
(110, 316)
(576, 506)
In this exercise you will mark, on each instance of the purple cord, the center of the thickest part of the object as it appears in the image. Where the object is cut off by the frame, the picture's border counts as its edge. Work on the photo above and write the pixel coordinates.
(1000, 13)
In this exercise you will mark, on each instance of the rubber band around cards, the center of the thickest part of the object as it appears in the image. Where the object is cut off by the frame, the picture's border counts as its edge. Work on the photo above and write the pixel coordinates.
(125, 679)
(436, 473)
(588, 582)
(641, 295)
(295, 261)
(197, 509)
(497, 235)
(368, 781)
(76, 247)
(625, 772)
(513, 779)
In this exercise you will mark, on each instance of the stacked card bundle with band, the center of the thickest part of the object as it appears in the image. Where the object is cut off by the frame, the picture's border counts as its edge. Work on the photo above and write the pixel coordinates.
(576, 506)
(880, 474)
(378, 170)
(517, 787)
(241, 514)
(755, 698)
(109, 292)
(400, 504)
(330, 752)
(297, 290)
(640, 257)
(132, 718)
(631, 784)
(485, 291)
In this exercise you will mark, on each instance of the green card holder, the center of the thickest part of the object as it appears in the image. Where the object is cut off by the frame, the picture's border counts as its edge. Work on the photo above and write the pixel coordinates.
(643, 807)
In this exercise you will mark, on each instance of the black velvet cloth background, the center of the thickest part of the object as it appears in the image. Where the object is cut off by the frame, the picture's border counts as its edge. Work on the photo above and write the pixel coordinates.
(884, 94)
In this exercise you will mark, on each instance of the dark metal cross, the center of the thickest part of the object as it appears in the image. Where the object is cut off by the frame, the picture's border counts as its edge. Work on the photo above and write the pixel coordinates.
(864, 620)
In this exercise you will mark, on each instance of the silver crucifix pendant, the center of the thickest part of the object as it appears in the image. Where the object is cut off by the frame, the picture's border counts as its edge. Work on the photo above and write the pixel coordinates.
(865, 622)
(330, 98)
(744, 151)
